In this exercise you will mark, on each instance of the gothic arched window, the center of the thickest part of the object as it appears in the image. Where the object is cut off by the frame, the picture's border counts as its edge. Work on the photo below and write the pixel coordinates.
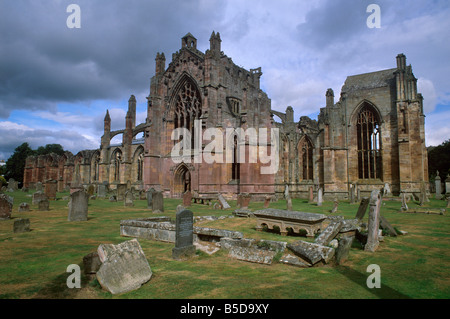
(140, 167)
(306, 157)
(188, 108)
(369, 143)
(117, 160)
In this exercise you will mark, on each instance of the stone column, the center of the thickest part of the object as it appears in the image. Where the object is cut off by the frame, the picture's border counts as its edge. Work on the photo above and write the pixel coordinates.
(374, 221)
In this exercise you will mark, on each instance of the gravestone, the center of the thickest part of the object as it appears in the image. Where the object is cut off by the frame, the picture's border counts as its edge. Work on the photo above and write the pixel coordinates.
(121, 189)
(404, 200)
(149, 195)
(101, 191)
(244, 200)
(124, 267)
(311, 194)
(437, 182)
(44, 205)
(223, 202)
(129, 199)
(386, 190)
(142, 195)
(21, 225)
(286, 191)
(184, 235)
(335, 206)
(6, 205)
(384, 224)
(91, 190)
(267, 201)
(289, 203)
(158, 202)
(39, 187)
(447, 184)
(374, 221)
(345, 243)
(78, 206)
(180, 208)
(362, 208)
(187, 199)
(24, 207)
(320, 197)
(51, 188)
(13, 184)
(217, 206)
(113, 198)
(37, 197)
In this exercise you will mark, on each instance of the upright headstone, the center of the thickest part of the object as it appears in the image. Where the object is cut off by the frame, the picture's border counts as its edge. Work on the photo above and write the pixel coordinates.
(158, 202)
(91, 190)
(362, 208)
(37, 197)
(101, 191)
(311, 194)
(51, 187)
(121, 189)
(149, 193)
(320, 197)
(21, 225)
(374, 221)
(223, 202)
(129, 199)
(184, 235)
(447, 184)
(386, 190)
(142, 195)
(24, 207)
(39, 187)
(245, 200)
(187, 198)
(13, 184)
(286, 191)
(335, 206)
(6, 205)
(267, 201)
(78, 206)
(437, 181)
(289, 203)
(404, 204)
(44, 205)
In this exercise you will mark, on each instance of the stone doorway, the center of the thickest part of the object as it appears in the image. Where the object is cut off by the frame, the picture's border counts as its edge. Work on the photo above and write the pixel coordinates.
(182, 181)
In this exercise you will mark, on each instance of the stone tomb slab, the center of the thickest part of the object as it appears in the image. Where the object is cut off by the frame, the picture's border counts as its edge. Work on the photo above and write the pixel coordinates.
(285, 219)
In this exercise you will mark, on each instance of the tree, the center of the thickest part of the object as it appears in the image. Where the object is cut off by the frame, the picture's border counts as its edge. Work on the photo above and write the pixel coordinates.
(15, 165)
(50, 148)
(439, 160)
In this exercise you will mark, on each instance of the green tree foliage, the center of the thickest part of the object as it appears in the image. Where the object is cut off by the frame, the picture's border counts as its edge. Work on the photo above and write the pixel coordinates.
(16, 163)
(50, 148)
(439, 160)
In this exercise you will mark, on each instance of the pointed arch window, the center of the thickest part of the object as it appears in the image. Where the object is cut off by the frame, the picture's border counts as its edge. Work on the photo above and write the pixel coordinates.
(188, 108)
(117, 161)
(306, 156)
(369, 143)
(140, 167)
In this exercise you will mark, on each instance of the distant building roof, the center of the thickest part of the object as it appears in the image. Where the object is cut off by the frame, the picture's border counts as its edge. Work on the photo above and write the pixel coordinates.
(369, 80)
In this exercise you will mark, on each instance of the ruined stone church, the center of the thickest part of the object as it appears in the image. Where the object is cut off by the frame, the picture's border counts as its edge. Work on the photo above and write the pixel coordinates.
(372, 135)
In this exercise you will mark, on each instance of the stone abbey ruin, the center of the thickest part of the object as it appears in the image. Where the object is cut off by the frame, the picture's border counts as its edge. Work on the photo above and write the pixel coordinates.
(373, 135)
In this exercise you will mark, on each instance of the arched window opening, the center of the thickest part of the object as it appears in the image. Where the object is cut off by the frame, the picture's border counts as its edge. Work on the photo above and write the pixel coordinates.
(235, 167)
(117, 160)
(306, 157)
(369, 144)
(140, 167)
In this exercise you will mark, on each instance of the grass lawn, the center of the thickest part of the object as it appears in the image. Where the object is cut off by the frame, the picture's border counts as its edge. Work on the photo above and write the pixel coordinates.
(33, 264)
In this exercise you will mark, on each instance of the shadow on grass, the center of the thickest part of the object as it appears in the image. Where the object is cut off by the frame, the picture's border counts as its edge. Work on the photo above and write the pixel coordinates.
(385, 292)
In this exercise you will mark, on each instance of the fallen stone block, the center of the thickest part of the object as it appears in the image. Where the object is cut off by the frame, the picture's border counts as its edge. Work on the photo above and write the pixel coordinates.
(262, 251)
(345, 243)
(124, 267)
(293, 260)
(329, 233)
(385, 225)
(91, 263)
(312, 252)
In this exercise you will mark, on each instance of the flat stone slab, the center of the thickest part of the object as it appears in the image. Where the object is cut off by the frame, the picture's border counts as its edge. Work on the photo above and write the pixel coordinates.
(312, 252)
(289, 215)
(262, 251)
(124, 267)
(329, 233)
(293, 260)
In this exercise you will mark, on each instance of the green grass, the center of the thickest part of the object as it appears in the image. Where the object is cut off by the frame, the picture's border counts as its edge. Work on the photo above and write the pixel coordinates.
(33, 264)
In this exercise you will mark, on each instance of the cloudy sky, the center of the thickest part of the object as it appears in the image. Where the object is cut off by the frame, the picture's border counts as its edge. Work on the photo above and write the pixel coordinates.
(57, 82)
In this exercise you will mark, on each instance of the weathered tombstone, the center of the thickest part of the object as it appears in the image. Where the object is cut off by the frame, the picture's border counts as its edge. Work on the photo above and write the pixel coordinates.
(286, 191)
(101, 191)
(345, 243)
(335, 207)
(187, 198)
(113, 198)
(374, 222)
(267, 201)
(404, 204)
(142, 195)
(149, 195)
(44, 205)
(24, 207)
(158, 202)
(245, 200)
(289, 203)
(51, 188)
(91, 263)
(223, 202)
(6, 204)
(384, 224)
(37, 197)
(21, 225)
(320, 197)
(180, 208)
(13, 184)
(91, 190)
(124, 267)
(362, 208)
(217, 206)
(78, 206)
(437, 181)
(184, 235)
(447, 184)
(311, 194)
(121, 189)
(386, 190)
(129, 199)
(39, 187)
